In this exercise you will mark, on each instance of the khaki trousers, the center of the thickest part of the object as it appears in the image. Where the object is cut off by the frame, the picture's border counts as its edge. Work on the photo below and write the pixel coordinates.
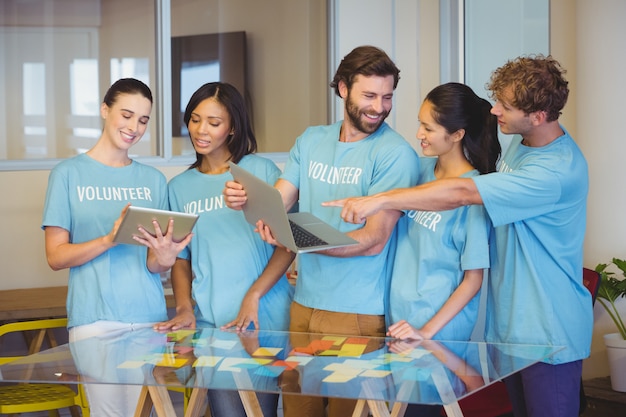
(323, 322)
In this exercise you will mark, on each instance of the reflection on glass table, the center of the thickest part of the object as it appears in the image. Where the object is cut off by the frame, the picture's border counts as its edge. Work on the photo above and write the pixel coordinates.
(382, 374)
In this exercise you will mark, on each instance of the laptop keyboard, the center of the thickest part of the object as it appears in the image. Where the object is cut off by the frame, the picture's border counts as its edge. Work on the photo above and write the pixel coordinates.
(303, 238)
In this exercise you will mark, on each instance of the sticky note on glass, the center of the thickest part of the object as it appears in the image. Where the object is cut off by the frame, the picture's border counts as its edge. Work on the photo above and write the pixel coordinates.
(265, 351)
(208, 361)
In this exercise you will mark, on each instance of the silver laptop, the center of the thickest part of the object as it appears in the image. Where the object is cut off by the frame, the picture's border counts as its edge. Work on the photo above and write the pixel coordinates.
(299, 232)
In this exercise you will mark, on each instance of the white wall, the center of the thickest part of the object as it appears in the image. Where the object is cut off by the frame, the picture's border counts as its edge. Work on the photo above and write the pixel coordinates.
(404, 31)
(600, 93)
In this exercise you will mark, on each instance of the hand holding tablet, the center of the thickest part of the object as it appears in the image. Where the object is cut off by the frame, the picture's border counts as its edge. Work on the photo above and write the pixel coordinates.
(143, 216)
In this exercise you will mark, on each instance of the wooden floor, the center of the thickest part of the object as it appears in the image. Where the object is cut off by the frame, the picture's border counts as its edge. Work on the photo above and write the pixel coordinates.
(602, 400)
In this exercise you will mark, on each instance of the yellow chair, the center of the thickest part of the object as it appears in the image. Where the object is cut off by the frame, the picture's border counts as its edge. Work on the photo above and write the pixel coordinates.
(26, 398)
(186, 395)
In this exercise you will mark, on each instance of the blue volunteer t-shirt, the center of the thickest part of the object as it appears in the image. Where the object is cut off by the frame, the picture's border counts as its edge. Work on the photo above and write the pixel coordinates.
(226, 254)
(324, 169)
(435, 248)
(85, 198)
(537, 203)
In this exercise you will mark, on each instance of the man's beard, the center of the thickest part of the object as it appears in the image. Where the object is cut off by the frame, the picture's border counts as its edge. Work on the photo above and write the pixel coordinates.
(354, 114)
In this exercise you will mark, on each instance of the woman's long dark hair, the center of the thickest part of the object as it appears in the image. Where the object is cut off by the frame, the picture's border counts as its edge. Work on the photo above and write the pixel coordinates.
(242, 141)
(456, 106)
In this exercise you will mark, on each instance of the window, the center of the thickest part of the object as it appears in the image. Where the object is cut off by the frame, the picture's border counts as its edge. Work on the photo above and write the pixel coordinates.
(507, 38)
(58, 58)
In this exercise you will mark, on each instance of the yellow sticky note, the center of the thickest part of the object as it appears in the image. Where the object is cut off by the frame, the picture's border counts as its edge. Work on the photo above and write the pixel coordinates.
(372, 373)
(180, 334)
(302, 360)
(338, 377)
(339, 368)
(351, 350)
(337, 340)
(392, 357)
(208, 361)
(172, 361)
(131, 364)
(264, 351)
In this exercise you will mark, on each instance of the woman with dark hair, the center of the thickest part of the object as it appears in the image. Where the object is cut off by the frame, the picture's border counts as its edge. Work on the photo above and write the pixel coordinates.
(112, 287)
(235, 279)
(438, 267)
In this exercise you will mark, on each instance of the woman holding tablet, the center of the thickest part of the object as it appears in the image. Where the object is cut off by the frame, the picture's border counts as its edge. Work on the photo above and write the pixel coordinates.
(235, 279)
(112, 287)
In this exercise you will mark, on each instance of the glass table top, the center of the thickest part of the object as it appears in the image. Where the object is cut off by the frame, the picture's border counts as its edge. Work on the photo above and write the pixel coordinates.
(427, 372)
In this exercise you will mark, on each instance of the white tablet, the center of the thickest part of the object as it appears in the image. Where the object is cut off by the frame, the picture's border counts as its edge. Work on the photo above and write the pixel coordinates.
(142, 216)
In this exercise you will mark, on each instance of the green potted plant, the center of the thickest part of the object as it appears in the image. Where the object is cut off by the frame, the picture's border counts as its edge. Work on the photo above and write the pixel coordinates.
(611, 289)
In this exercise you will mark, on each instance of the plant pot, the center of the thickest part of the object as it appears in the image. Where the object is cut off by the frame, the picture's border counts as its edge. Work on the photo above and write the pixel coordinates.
(616, 351)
